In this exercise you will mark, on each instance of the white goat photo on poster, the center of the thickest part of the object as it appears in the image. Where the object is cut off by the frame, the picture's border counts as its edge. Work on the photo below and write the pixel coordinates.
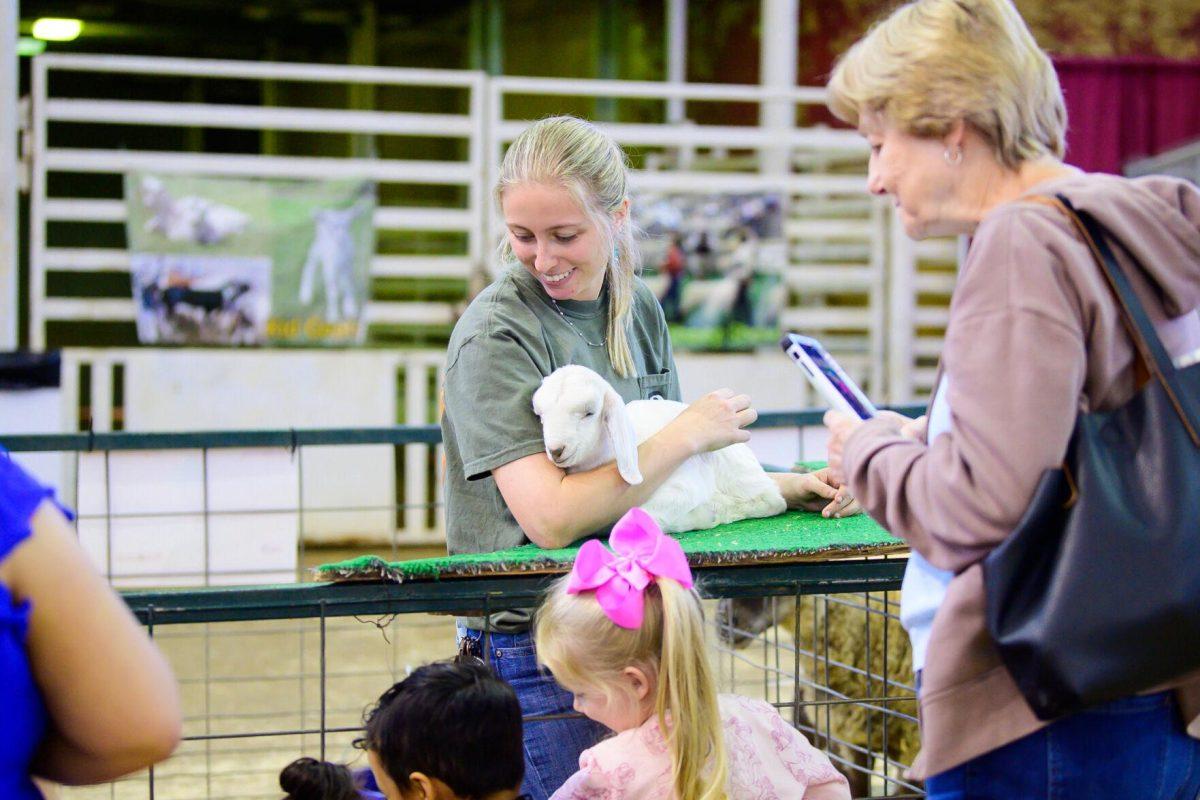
(332, 253)
(189, 218)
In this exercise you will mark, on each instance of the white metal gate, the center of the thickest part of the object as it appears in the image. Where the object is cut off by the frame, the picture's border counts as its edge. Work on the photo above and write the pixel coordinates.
(51, 107)
(878, 300)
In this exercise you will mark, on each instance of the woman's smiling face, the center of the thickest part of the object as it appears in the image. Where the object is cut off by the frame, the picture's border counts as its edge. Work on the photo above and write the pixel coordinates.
(556, 240)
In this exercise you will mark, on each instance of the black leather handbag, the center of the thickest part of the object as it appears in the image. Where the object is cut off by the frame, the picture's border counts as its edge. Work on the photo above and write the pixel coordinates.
(1096, 594)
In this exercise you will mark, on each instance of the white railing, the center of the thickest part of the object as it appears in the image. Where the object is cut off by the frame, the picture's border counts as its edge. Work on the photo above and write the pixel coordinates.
(921, 276)
(49, 108)
(854, 279)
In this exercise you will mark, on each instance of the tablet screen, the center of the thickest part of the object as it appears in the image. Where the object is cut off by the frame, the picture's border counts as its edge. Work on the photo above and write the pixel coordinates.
(822, 362)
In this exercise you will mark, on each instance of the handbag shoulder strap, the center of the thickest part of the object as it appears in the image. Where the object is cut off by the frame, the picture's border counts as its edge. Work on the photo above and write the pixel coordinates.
(1141, 329)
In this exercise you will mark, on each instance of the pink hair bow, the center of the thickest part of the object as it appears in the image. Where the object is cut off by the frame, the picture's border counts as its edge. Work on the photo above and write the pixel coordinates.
(640, 552)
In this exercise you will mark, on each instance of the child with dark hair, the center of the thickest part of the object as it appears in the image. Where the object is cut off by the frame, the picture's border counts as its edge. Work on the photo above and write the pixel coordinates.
(449, 731)
(310, 779)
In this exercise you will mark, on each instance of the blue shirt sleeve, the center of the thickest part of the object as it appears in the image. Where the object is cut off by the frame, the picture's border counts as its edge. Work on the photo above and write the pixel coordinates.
(20, 495)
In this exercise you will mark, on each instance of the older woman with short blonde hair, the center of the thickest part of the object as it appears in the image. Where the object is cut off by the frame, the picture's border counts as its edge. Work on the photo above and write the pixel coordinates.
(966, 123)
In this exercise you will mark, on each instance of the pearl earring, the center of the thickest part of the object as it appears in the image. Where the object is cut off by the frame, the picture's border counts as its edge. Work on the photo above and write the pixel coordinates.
(955, 159)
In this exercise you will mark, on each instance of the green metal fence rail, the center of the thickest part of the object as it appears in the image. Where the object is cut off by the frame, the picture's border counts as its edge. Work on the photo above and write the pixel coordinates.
(88, 442)
(300, 437)
(468, 596)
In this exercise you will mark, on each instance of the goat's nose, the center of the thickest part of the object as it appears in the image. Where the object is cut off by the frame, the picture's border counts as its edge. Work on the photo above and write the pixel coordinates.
(556, 452)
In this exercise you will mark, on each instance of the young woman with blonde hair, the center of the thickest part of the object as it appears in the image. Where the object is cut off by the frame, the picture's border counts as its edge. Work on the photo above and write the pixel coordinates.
(625, 633)
(568, 294)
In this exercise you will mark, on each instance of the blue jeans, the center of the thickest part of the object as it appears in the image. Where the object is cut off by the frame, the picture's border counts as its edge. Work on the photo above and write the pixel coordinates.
(1130, 748)
(552, 747)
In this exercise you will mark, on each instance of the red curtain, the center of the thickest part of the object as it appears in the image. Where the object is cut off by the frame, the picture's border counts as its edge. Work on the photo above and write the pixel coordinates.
(1121, 109)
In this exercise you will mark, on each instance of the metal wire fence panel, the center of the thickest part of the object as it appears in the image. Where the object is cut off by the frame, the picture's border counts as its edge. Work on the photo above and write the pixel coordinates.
(258, 694)
(842, 666)
(849, 275)
(272, 672)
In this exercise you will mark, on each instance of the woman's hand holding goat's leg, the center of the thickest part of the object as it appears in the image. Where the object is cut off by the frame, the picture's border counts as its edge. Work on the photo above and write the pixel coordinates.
(714, 421)
(816, 491)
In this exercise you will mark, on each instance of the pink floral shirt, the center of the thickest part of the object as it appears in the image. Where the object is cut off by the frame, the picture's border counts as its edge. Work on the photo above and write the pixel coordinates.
(768, 760)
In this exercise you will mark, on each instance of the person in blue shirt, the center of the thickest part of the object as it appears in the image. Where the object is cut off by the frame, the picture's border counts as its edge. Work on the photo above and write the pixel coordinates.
(86, 695)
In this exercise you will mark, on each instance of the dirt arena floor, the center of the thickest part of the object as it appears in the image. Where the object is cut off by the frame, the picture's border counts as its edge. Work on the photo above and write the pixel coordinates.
(260, 682)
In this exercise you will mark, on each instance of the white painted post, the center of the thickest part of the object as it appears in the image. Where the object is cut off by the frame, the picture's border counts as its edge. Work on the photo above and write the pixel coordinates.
(779, 28)
(877, 298)
(902, 299)
(676, 55)
(416, 401)
(37, 216)
(9, 175)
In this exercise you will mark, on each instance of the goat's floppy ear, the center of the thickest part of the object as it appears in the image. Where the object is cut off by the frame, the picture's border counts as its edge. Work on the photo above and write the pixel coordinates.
(619, 425)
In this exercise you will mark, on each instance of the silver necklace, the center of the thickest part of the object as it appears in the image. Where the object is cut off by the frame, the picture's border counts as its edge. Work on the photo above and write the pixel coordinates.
(578, 332)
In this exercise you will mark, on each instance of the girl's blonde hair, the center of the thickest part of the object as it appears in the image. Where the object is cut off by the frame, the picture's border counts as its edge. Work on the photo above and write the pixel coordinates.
(933, 62)
(576, 155)
(583, 647)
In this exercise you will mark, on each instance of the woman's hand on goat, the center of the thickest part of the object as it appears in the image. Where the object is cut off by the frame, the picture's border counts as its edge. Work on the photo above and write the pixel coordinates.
(716, 420)
(816, 491)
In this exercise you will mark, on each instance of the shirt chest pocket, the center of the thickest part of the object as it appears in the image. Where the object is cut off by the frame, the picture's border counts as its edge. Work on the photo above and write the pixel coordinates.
(652, 386)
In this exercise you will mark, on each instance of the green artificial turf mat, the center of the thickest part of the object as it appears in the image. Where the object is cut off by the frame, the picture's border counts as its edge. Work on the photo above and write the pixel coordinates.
(791, 536)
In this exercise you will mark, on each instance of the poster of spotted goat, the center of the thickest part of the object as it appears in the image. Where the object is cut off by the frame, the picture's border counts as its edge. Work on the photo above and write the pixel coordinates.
(224, 261)
(716, 262)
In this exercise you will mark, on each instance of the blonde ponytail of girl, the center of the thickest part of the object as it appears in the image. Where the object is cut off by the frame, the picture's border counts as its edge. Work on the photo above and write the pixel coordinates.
(576, 155)
(686, 688)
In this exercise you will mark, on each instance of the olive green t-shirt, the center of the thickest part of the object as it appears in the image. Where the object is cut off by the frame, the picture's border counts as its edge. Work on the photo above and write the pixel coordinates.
(508, 339)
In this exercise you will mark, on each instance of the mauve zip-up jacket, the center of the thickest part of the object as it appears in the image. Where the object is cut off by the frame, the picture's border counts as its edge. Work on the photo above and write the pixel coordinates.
(1035, 336)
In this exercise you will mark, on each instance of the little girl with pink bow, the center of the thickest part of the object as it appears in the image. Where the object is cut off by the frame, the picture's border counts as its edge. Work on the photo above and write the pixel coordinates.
(624, 632)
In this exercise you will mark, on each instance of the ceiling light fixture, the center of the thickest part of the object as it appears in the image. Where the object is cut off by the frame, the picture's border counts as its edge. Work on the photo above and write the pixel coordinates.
(57, 29)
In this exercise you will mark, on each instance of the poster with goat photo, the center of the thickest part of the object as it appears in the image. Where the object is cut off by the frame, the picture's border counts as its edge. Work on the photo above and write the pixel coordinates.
(716, 262)
(231, 261)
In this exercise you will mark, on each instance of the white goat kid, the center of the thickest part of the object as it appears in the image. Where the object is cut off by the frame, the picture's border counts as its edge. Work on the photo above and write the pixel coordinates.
(585, 424)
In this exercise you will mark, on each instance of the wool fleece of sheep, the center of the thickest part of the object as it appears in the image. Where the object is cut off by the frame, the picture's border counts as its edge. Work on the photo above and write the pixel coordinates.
(585, 424)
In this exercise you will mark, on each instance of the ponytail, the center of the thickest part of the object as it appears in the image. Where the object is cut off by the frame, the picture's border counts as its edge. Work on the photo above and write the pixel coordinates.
(687, 690)
(626, 261)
